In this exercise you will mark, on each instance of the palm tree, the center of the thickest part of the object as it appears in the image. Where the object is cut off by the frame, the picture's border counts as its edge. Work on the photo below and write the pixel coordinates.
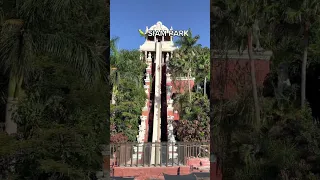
(250, 23)
(306, 15)
(22, 39)
(114, 52)
(244, 18)
(124, 63)
(187, 43)
(203, 65)
(115, 74)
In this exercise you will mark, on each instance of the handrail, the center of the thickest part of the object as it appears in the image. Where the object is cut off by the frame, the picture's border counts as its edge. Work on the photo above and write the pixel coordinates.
(133, 154)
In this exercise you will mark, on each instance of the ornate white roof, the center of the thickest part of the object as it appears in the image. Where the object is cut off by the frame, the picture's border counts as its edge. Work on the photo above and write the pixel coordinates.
(167, 46)
(158, 26)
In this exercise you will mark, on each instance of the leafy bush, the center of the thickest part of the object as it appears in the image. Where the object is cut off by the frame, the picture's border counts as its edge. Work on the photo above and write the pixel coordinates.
(194, 123)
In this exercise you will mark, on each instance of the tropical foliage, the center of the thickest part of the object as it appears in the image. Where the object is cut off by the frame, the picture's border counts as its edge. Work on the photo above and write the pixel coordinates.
(54, 93)
(53, 87)
(192, 60)
(193, 125)
(283, 141)
(128, 95)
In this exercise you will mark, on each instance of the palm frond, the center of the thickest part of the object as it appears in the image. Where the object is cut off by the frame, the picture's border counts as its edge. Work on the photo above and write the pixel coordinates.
(114, 51)
(79, 54)
(1, 17)
(34, 11)
(15, 48)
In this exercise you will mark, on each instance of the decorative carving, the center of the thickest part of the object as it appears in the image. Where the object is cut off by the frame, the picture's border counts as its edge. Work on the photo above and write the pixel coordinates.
(149, 45)
(169, 93)
(158, 26)
(170, 119)
(170, 103)
(143, 118)
(172, 139)
(146, 103)
(170, 133)
(168, 77)
(140, 139)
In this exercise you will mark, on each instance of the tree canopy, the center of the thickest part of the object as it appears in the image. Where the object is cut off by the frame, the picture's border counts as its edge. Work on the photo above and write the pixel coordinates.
(285, 145)
(54, 84)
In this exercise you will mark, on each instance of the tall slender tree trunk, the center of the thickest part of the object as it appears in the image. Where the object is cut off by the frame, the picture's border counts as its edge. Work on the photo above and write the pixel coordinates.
(115, 88)
(113, 97)
(189, 84)
(14, 88)
(215, 163)
(304, 65)
(253, 78)
(205, 86)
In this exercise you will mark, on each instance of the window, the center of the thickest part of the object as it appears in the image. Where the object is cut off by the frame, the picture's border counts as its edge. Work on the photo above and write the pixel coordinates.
(150, 38)
(167, 38)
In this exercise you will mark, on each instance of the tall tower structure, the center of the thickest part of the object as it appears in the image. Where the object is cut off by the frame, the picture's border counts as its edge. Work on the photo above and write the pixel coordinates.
(157, 115)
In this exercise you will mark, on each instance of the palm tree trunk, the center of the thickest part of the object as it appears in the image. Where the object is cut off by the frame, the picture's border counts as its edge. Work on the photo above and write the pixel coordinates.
(304, 66)
(303, 76)
(205, 86)
(14, 88)
(253, 78)
(113, 97)
(214, 160)
(189, 85)
(115, 88)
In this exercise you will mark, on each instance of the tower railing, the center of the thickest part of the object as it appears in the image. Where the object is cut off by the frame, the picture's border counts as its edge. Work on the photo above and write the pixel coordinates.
(124, 154)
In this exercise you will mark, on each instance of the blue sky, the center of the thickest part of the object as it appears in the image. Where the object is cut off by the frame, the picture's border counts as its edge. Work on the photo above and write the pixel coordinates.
(127, 16)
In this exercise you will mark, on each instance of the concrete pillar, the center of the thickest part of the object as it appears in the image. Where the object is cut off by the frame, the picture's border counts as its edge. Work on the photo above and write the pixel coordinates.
(155, 155)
